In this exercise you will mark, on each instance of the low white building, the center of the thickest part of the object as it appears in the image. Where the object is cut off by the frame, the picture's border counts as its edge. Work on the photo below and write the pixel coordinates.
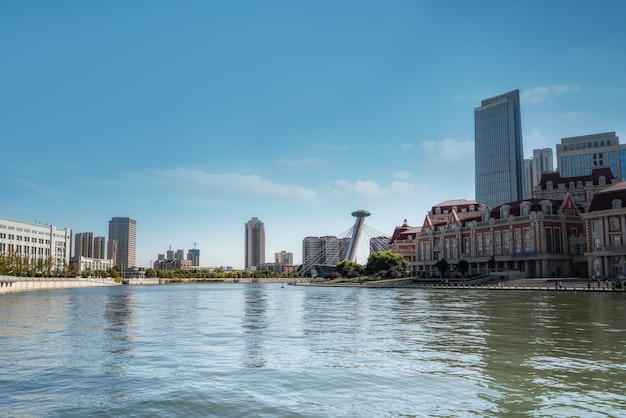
(87, 264)
(36, 242)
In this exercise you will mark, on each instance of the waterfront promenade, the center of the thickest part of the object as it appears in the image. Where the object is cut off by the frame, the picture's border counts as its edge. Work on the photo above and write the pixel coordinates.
(11, 284)
(545, 284)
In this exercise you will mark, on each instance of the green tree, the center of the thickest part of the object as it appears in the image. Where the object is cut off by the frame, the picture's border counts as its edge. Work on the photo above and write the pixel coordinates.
(443, 266)
(349, 268)
(386, 264)
(462, 266)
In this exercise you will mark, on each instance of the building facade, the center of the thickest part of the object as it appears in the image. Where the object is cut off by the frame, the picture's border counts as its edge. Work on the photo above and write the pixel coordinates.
(605, 230)
(124, 232)
(403, 242)
(193, 255)
(40, 245)
(541, 162)
(83, 244)
(255, 243)
(498, 150)
(578, 156)
(532, 236)
(322, 253)
(99, 248)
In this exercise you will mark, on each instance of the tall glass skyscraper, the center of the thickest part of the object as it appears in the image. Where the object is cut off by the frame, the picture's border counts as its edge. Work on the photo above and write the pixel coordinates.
(255, 243)
(124, 231)
(499, 151)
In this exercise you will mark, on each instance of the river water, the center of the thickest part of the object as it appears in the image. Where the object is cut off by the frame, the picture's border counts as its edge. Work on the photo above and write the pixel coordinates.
(259, 350)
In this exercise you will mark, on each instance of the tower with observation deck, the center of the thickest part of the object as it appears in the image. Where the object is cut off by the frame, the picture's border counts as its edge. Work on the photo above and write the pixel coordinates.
(320, 255)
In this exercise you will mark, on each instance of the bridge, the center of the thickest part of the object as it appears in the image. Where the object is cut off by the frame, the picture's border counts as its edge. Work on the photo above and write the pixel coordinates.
(320, 255)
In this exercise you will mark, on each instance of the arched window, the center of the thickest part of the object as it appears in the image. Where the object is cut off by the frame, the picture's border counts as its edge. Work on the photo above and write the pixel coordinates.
(571, 185)
(614, 224)
(617, 204)
(525, 209)
(549, 185)
(579, 184)
(602, 181)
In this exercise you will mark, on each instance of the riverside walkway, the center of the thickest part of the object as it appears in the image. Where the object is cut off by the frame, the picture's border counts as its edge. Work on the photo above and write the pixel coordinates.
(551, 284)
(10, 284)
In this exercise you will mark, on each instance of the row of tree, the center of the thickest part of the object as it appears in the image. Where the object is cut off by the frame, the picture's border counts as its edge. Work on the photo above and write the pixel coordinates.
(382, 264)
(24, 266)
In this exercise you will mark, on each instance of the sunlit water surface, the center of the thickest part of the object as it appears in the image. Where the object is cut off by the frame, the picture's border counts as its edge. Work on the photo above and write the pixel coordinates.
(259, 350)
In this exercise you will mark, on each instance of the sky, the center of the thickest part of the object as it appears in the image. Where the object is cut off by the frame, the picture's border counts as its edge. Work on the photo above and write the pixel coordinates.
(192, 117)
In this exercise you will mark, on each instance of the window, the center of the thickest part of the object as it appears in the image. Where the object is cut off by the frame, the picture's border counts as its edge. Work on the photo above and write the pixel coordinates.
(557, 240)
(616, 240)
(595, 226)
(525, 209)
(506, 238)
(498, 242)
(527, 246)
(617, 204)
(602, 181)
(517, 237)
(548, 239)
(487, 243)
(504, 213)
(547, 209)
(614, 224)
(549, 185)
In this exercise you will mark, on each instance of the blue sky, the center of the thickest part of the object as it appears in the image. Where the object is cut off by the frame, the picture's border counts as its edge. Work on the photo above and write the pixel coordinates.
(193, 117)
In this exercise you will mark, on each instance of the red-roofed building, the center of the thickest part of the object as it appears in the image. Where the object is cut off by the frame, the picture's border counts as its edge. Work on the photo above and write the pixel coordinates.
(605, 226)
(403, 242)
(533, 236)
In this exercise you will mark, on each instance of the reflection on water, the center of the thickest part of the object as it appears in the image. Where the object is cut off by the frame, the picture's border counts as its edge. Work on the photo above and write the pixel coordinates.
(559, 353)
(254, 324)
(260, 350)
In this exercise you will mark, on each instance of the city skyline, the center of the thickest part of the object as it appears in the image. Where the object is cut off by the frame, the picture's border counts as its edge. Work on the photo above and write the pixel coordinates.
(192, 118)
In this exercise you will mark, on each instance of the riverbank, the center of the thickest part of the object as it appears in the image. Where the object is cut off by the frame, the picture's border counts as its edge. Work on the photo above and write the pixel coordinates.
(554, 284)
(11, 284)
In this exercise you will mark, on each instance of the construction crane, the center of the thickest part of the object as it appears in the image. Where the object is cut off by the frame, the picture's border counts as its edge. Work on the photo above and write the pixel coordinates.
(194, 244)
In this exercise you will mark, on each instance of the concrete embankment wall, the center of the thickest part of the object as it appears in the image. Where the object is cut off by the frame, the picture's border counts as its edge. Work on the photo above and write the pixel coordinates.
(9, 284)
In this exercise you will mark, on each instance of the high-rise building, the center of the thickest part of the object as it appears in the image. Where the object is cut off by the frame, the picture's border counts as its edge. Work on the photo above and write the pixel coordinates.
(193, 255)
(255, 243)
(83, 244)
(579, 155)
(112, 249)
(499, 151)
(283, 257)
(98, 248)
(124, 231)
(535, 167)
(180, 254)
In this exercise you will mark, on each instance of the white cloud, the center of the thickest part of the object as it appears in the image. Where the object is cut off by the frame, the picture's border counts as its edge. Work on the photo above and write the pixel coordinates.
(402, 187)
(252, 186)
(372, 189)
(448, 150)
(365, 188)
(39, 189)
(570, 116)
(406, 147)
(402, 174)
(545, 93)
(302, 162)
(535, 140)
